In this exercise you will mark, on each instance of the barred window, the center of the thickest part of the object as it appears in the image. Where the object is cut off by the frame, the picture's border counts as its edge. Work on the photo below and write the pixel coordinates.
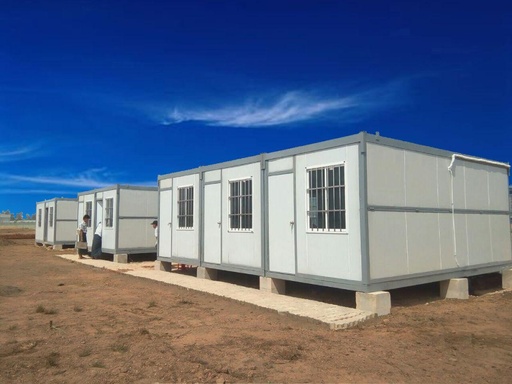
(39, 215)
(186, 208)
(240, 205)
(50, 219)
(109, 213)
(88, 211)
(326, 191)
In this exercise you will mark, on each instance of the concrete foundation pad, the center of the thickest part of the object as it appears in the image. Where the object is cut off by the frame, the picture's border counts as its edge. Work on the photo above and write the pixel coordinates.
(454, 289)
(121, 258)
(374, 302)
(206, 273)
(506, 279)
(163, 266)
(269, 284)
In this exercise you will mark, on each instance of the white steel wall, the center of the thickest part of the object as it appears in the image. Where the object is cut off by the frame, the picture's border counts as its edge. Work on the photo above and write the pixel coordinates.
(42, 220)
(403, 243)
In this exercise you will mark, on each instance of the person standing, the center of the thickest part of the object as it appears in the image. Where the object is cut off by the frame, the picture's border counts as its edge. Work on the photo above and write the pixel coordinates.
(155, 226)
(82, 235)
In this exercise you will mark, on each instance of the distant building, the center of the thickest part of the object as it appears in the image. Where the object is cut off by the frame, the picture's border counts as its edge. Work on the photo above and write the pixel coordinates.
(5, 218)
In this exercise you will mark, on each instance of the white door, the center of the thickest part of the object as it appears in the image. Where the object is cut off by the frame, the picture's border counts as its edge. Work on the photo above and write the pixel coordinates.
(281, 223)
(98, 219)
(165, 224)
(212, 223)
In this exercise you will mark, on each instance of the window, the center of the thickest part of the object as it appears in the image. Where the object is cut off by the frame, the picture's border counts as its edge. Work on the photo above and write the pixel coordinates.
(39, 215)
(186, 207)
(240, 205)
(50, 219)
(326, 191)
(109, 213)
(88, 211)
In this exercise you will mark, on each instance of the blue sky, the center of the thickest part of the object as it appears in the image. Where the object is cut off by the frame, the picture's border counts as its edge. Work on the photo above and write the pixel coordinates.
(94, 93)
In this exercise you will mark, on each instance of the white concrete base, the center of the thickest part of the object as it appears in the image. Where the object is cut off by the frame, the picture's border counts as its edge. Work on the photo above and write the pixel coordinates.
(121, 258)
(454, 289)
(163, 266)
(206, 273)
(269, 284)
(58, 247)
(374, 302)
(506, 279)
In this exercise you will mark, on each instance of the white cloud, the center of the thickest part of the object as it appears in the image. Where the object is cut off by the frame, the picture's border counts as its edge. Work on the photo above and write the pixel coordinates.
(291, 107)
(89, 179)
(9, 154)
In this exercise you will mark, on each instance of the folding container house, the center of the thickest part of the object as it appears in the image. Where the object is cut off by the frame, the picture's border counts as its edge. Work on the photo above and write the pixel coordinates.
(363, 213)
(126, 213)
(56, 222)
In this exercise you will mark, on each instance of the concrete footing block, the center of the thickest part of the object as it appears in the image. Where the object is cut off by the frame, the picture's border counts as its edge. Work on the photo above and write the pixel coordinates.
(163, 266)
(121, 258)
(206, 273)
(454, 289)
(58, 247)
(374, 302)
(506, 279)
(269, 284)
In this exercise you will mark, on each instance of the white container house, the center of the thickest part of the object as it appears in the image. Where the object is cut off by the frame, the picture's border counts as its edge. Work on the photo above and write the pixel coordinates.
(126, 213)
(363, 213)
(56, 222)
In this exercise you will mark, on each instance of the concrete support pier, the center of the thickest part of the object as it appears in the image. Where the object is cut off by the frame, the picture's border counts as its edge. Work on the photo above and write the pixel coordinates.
(454, 289)
(506, 279)
(58, 247)
(121, 258)
(206, 273)
(163, 266)
(374, 302)
(269, 284)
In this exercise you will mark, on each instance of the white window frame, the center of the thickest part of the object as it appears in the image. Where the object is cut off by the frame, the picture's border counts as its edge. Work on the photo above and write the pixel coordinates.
(109, 213)
(50, 217)
(241, 202)
(186, 215)
(88, 212)
(326, 212)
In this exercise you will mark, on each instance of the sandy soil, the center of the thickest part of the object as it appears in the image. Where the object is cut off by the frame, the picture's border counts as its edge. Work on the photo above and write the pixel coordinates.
(64, 322)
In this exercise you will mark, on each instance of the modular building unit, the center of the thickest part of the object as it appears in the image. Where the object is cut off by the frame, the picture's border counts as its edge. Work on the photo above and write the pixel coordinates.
(126, 213)
(363, 213)
(56, 222)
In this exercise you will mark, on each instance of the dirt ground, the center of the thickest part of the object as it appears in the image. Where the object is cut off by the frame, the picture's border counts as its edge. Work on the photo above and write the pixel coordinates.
(64, 322)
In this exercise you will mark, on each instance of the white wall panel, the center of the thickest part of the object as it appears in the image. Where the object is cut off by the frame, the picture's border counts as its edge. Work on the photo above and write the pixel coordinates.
(479, 239)
(136, 233)
(279, 165)
(386, 176)
(446, 241)
(165, 223)
(420, 180)
(165, 183)
(500, 234)
(423, 242)
(138, 203)
(477, 191)
(388, 247)
(212, 176)
(498, 189)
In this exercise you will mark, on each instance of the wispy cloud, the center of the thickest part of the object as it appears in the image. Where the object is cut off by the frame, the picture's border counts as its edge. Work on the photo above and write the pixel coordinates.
(89, 179)
(291, 107)
(9, 154)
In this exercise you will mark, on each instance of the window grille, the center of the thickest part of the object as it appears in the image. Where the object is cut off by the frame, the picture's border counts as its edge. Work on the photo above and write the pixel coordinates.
(186, 208)
(240, 205)
(88, 211)
(326, 202)
(39, 215)
(109, 213)
(50, 219)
